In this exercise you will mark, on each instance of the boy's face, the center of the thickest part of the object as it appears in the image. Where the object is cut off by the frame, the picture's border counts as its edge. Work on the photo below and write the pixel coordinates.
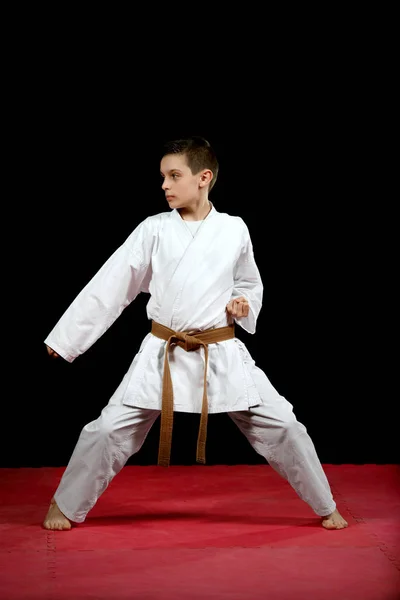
(181, 187)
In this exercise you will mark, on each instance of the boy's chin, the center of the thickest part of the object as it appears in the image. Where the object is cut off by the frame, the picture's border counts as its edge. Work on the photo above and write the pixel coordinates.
(174, 203)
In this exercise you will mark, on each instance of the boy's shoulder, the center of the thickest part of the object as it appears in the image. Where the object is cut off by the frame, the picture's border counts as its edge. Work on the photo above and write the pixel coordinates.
(228, 216)
(233, 220)
(158, 217)
(154, 221)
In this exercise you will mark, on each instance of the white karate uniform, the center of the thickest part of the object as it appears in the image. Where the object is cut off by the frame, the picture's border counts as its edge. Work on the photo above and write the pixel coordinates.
(192, 271)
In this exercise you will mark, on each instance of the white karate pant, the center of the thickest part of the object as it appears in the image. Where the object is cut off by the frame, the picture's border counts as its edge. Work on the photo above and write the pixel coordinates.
(272, 429)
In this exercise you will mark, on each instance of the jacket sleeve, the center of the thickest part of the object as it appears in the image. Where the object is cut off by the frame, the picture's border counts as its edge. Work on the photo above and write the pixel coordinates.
(247, 283)
(121, 278)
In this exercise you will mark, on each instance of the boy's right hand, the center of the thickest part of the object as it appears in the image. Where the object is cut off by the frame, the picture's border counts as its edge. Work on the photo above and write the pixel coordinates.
(52, 352)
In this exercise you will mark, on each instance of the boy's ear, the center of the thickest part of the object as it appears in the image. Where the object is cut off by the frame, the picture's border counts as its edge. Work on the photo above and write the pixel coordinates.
(205, 177)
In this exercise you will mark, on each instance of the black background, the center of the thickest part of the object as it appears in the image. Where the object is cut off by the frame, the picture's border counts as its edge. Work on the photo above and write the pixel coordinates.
(298, 146)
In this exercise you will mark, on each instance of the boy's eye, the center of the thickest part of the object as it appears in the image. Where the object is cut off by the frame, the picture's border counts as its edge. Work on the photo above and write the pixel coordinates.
(174, 175)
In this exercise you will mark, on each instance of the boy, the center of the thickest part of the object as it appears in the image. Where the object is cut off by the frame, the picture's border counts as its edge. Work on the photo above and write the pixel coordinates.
(199, 268)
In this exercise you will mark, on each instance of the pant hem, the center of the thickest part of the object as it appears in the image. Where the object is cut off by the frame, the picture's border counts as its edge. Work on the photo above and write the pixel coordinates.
(327, 511)
(66, 512)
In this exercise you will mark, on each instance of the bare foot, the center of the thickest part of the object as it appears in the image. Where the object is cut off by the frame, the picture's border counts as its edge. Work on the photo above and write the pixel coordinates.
(334, 521)
(55, 518)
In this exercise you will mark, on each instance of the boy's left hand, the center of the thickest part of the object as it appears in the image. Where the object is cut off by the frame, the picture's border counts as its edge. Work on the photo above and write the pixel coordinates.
(238, 307)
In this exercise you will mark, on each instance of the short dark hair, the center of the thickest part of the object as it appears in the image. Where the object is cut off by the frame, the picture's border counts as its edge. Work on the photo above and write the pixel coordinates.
(199, 155)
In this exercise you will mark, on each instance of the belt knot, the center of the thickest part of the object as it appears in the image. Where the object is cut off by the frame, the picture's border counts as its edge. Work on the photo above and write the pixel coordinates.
(186, 341)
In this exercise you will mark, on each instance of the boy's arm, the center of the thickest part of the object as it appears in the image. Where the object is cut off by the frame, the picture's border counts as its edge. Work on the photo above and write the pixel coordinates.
(121, 278)
(247, 283)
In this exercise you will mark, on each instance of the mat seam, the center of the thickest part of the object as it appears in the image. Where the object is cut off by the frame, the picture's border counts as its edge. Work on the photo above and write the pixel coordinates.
(383, 547)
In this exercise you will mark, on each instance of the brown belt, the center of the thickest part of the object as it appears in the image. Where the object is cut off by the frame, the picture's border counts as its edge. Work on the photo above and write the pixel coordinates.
(188, 343)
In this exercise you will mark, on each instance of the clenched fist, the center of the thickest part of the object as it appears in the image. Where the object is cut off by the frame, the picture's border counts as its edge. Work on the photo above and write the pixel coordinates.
(52, 352)
(239, 307)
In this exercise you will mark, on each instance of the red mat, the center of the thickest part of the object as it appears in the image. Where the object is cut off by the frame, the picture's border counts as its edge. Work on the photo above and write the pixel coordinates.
(237, 532)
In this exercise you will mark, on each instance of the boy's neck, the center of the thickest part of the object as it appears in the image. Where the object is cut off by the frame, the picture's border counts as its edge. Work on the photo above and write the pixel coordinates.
(196, 214)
